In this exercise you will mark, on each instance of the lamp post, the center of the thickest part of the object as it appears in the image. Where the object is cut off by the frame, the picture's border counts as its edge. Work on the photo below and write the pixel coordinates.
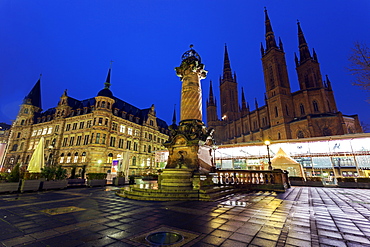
(267, 143)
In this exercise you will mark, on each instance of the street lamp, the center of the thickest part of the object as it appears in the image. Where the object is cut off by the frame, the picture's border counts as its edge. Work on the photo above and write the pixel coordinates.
(267, 143)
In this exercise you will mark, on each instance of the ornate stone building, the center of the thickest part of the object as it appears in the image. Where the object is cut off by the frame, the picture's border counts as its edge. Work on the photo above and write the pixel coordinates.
(309, 112)
(88, 133)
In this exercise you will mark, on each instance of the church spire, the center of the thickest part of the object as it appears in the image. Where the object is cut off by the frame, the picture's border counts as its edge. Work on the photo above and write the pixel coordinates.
(107, 81)
(304, 53)
(174, 115)
(244, 106)
(269, 36)
(211, 100)
(34, 96)
(227, 68)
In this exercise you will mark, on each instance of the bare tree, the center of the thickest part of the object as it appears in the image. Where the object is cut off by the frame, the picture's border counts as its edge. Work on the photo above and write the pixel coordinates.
(360, 65)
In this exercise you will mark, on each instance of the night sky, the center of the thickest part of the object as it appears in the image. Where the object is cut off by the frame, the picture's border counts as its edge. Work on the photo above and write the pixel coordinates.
(72, 43)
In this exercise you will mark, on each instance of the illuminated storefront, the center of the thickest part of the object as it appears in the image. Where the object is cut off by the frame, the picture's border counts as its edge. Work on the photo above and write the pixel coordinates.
(339, 156)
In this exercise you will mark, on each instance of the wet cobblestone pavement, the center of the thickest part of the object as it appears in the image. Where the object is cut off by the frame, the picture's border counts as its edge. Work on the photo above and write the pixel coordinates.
(302, 216)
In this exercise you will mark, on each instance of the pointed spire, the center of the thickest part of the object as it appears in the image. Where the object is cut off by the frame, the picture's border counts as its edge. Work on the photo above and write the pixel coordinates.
(296, 59)
(34, 96)
(227, 69)
(262, 50)
(328, 82)
(281, 45)
(174, 115)
(211, 98)
(304, 52)
(269, 36)
(244, 107)
(107, 81)
(314, 55)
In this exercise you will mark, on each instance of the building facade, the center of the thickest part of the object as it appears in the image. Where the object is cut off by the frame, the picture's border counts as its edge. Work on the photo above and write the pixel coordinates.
(88, 134)
(309, 112)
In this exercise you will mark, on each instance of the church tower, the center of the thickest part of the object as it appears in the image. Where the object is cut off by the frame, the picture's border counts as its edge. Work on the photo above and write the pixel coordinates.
(228, 92)
(278, 92)
(212, 117)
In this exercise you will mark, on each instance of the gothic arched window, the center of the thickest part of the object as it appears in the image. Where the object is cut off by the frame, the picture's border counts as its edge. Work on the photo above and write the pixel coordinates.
(315, 106)
(301, 107)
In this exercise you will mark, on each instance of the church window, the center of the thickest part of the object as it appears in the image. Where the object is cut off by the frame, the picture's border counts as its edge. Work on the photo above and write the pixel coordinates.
(301, 107)
(271, 77)
(315, 106)
(276, 112)
(75, 158)
(300, 134)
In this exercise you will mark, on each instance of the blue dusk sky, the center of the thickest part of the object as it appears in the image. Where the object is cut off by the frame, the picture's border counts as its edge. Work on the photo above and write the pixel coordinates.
(72, 42)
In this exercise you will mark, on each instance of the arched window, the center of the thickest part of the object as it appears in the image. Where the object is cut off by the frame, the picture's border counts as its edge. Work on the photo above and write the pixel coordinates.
(61, 158)
(83, 159)
(108, 105)
(75, 158)
(134, 161)
(15, 147)
(315, 106)
(300, 134)
(301, 107)
(279, 136)
(103, 104)
(68, 158)
(276, 112)
(110, 158)
(149, 149)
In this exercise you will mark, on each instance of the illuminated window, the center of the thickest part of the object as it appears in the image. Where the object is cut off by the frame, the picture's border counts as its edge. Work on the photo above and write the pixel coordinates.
(50, 130)
(34, 132)
(110, 158)
(129, 131)
(122, 128)
(74, 126)
(75, 158)
(44, 131)
(68, 158)
(30, 146)
(83, 158)
(39, 132)
(61, 158)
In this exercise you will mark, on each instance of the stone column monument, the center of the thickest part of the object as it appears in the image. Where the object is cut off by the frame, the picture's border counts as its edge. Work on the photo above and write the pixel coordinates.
(190, 142)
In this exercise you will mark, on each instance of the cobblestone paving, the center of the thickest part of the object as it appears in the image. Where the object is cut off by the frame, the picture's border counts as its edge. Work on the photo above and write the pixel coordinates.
(302, 216)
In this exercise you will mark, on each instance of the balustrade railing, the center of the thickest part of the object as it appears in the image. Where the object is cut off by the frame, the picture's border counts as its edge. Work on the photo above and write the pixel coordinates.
(258, 178)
